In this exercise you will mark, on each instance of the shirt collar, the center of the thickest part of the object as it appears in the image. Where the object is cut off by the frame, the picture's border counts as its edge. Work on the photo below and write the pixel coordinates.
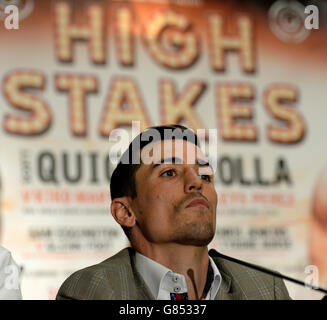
(153, 274)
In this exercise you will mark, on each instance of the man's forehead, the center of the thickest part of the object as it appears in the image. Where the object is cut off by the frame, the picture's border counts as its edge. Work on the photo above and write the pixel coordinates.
(179, 151)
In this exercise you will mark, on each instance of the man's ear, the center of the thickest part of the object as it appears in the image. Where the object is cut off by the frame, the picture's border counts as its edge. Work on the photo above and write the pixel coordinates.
(122, 212)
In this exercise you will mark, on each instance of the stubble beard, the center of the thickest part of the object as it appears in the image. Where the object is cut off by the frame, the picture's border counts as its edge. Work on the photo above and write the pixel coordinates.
(194, 233)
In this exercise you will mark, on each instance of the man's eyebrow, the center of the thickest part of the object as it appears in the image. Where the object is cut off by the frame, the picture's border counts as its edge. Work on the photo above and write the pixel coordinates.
(176, 160)
(202, 163)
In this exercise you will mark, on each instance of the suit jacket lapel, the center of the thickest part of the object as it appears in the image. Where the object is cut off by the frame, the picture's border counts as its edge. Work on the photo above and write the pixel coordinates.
(224, 288)
(140, 290)
(227, 289)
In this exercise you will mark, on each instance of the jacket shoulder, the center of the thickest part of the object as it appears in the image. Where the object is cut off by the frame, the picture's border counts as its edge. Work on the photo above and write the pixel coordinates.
(100, 281)
(251, 284)
(5, 256)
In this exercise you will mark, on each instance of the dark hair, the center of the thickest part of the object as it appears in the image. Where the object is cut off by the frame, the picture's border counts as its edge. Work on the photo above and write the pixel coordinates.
(122, 181)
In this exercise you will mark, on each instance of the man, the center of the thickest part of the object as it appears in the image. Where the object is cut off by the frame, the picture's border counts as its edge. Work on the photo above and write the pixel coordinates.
(318, 229)
(9, 277)
(9, 274)
(166, 203)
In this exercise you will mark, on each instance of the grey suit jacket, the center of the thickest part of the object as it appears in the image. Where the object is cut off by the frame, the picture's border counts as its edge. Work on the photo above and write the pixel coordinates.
(117, 279)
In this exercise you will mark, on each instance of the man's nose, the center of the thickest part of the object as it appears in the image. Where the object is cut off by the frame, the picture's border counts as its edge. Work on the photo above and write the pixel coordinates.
(193, 182)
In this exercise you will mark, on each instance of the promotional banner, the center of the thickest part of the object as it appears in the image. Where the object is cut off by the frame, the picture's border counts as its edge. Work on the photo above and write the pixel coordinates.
(252, 74)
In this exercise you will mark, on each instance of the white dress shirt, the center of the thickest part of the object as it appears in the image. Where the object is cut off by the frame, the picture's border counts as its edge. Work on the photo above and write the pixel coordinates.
(9, 277)
(163, 281)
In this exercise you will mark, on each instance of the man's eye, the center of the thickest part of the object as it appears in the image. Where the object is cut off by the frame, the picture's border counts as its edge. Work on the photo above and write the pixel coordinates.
(205, 177)
(168, 173)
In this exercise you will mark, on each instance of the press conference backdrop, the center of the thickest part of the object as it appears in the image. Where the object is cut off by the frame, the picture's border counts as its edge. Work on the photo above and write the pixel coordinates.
(74, 71)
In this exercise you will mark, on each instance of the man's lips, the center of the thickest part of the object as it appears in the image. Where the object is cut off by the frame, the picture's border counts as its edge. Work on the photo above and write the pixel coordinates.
(198, 202)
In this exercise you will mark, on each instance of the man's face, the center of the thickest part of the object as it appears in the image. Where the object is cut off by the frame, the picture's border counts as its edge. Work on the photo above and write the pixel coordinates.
(175, 202)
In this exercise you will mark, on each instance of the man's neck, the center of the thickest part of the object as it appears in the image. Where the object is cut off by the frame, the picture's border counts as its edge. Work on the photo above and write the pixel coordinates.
(190, 261)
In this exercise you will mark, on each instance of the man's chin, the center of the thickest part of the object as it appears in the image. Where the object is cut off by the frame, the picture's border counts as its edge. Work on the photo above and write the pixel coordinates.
(195, 242)
(195, 235)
